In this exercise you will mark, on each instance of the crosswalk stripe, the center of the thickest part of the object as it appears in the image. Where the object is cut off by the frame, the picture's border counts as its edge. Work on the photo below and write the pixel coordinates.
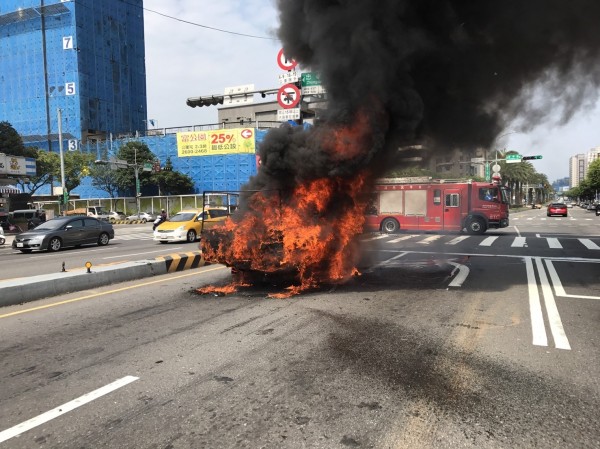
(519, 242)
(488, 241)
(589, 244)
(553, 242)
(399, 239)
(457, 240)
(428, 240)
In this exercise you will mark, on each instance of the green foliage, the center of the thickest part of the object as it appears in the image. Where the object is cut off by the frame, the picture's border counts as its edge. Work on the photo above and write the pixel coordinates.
(134, 153)
(12, 143)
(593, 175)
(172, 182)
(104, 178)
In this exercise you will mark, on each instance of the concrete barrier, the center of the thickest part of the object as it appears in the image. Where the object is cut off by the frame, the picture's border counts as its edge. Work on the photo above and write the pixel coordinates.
(21, 290)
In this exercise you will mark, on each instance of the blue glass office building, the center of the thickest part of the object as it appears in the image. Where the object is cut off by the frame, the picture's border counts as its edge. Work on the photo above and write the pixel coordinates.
(84, 57)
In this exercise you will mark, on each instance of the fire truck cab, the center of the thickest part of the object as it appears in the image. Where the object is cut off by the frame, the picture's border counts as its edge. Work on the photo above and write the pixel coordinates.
(436, 205)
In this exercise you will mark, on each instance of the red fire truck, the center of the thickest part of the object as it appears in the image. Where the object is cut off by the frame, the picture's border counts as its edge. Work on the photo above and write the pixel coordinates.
(434, 205)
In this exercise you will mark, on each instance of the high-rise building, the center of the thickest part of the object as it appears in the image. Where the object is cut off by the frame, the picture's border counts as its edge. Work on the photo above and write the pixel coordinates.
(577, 169)
(84, 57)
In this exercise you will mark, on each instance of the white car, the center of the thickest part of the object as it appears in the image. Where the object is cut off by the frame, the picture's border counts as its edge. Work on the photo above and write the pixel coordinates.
(142, 216)
(115, 216)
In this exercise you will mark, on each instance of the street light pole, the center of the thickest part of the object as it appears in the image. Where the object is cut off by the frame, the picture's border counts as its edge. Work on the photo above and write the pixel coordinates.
(62, 158)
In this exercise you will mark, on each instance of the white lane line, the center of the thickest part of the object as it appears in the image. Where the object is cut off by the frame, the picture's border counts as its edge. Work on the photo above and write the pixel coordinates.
(553, 242)
(537, 236)
(517, 230)
(386, 262)
(377, 237)
(556, 326)
(428, 240)
(488, 241)
(529, 219)
(62, 409)
(457, 240)
(405, 237)
(463, 272)
(589, 244)
(559, 290)
(519, 242)
(140, 254)
(535, 307)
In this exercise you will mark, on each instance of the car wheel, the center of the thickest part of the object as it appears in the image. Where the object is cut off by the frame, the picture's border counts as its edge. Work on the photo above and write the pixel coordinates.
(54, 244)
(390, 226)
(191, 236)
(103, 239)
(476, 226)
(547, 215)
(144, 220)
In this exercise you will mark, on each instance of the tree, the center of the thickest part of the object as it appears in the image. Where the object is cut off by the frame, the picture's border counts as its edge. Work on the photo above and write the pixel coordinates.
(135, 153)
(47, 166)
(171, 182)
(12, 143)
(77, 166)
(105, 178)
(593, 175)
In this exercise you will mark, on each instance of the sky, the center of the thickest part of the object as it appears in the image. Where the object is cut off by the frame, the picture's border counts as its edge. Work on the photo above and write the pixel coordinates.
(184, 60)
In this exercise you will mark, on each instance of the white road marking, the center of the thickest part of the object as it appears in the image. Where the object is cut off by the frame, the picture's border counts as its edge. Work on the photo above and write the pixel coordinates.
(553, 242)
(519, 242)
(488, 241)
(139, 254)
(559, 290)
(399, 239)
(556, 326)
(62, 409)
(386, 262)
(463, 272)
(377, 237)
(428, 240)
(538, 329)
(589, 244)
(457, 240)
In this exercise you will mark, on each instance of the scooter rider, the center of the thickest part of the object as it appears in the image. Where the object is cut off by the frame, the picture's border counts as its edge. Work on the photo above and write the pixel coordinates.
(161, 219)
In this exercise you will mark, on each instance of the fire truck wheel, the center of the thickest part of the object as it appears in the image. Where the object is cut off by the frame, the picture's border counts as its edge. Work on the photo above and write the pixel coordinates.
(390, 226)
(476, 226)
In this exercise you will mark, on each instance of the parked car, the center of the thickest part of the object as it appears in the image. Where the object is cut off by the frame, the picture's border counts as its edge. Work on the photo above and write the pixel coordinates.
(65, 231)
(557, 209)
(115, 216)
(142, 216)
(187, 224)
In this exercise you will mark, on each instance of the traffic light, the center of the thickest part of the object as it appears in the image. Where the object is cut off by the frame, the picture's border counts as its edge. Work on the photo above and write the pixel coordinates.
(528, 158)
(211, 100)
(60, 199)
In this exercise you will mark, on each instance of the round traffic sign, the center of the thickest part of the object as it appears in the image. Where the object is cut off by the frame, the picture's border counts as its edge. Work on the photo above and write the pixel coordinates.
(284, 62)
(246, 133)
(288, 96)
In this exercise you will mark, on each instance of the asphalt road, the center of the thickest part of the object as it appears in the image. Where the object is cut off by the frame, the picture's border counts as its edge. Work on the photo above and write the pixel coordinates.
(437, 343)
(131, 242)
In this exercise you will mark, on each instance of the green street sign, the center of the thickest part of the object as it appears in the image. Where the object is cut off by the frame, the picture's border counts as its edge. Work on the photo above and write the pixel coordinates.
(512, 158)
(310, 79)
(488, 175)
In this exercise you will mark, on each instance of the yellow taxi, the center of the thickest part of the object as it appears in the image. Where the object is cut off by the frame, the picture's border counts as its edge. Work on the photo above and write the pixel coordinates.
(186, 225)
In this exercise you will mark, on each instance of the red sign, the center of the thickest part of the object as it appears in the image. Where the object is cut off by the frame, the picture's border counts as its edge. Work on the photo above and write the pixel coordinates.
(288, 96)
(246, 133)
(284, 62)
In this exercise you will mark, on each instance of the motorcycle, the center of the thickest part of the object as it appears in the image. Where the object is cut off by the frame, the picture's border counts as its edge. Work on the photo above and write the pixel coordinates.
(2, 238)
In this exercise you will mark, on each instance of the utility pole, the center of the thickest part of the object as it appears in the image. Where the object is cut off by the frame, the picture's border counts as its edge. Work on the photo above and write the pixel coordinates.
(64, 193)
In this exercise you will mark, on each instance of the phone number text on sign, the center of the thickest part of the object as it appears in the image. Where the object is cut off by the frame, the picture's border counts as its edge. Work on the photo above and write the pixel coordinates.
(208, 143)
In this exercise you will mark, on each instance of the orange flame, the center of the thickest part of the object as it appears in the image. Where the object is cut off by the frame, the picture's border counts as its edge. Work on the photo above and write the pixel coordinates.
(310, 231)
